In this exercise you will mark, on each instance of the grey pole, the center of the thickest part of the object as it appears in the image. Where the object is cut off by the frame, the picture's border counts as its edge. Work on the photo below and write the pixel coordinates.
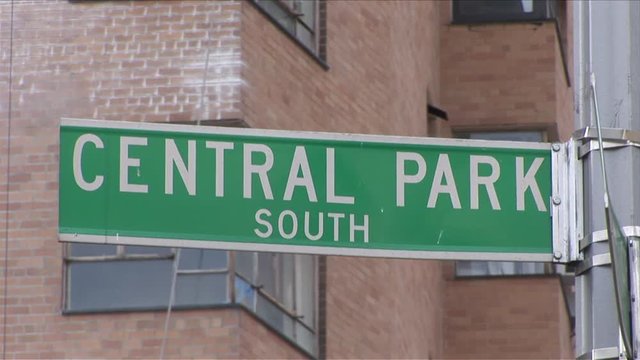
(607, 43)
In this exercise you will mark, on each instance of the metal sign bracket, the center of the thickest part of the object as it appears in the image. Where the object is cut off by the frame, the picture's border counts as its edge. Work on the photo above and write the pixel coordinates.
(600, 354)
(631, 232)
(566, 202)
(593, 261)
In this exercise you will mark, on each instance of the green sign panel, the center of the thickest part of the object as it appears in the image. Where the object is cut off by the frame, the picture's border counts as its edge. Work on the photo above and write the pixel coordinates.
(303, 192)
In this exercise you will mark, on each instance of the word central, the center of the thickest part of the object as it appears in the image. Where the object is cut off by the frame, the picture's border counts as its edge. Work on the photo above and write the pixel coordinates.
(299, 174)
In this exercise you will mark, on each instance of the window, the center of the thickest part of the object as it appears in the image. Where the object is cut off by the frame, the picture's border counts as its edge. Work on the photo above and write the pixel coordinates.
(281, 289)
(110, 277)
(301, 19)
(479, 11)
(503, 268)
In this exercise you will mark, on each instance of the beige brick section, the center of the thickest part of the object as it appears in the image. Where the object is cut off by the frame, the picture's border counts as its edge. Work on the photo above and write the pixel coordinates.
(493, 77)
(505, 77)
(258, 342)
(384, 308)
(502, 318)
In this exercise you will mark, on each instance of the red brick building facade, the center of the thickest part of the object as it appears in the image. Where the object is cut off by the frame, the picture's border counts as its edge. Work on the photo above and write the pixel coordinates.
(338, 66)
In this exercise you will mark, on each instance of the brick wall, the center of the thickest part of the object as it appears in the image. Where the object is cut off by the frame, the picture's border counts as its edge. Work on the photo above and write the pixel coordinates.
(384, 308)
(564, 84)
(4, 145)
(257, 341)
(224, 333)
(139, 335)
(383, 59)
(506, 318)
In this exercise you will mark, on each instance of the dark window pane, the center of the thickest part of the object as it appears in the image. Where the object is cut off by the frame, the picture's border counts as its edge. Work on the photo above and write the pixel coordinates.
(285, 286)
(267, 263)
(244, 264)
(306, 339)
(531, 136)
(274, 316)
(245, 293)
(308, 10)
(145, 250)
(192, 259)
(305, 289)
(202, 289)
(92, 250)
(305, 36)
(119, 284)
(501, 10)
(498, 268)
(278, 14)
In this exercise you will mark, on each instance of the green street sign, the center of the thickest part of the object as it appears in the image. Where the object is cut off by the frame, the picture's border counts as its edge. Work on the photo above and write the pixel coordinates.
(304, 192)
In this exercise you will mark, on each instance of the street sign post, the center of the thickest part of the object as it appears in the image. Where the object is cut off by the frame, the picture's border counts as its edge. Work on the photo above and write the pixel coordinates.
(303, 192)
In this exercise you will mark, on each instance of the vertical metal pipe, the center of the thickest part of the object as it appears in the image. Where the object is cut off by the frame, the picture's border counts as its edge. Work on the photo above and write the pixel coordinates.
(606, 43)
(172, 296)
